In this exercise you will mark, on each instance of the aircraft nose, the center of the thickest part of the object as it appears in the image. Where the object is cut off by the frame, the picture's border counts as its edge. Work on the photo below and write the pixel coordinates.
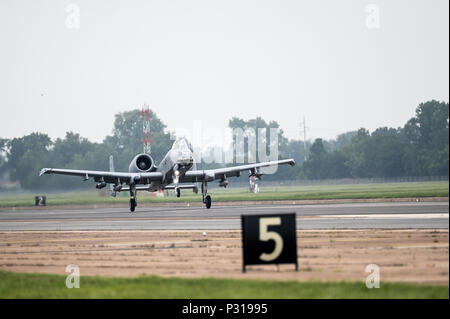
(186, 158)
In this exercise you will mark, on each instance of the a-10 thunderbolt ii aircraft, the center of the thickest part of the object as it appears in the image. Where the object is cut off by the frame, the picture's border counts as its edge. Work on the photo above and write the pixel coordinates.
(176, 171)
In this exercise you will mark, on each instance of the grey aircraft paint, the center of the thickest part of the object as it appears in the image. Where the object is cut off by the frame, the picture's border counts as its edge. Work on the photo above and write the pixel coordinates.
(177, 170)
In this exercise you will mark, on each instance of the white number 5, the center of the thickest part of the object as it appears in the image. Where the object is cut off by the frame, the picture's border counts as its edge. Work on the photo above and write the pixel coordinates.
(265, 235)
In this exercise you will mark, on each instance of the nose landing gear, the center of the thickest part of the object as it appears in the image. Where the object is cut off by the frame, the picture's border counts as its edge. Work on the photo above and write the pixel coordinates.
(206, 198)
(208, 201)
(133, 202)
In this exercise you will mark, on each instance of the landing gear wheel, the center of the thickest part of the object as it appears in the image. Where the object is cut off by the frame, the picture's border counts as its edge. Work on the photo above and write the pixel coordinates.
(208, 201)
(132, 204)
(178, 192)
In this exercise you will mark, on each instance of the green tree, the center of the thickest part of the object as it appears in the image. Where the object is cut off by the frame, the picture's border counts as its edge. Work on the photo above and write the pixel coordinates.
(126, 140)
(359, 152)
(254, 125)
(3, 143)
(26, 155)
(427, 139)
(343, 140)
(296, 149)
(65, 149)
(337, 164)
(429, 128)
(386, 153)
(316, 166)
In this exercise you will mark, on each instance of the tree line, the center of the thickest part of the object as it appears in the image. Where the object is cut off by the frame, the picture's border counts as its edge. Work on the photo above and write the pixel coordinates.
(23, 157)
(419, 148)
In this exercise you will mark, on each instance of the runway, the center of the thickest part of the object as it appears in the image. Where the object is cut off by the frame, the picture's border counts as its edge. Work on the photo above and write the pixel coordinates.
(392, 215)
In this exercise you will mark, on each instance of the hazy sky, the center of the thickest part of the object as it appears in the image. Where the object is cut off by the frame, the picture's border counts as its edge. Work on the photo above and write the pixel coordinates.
(211, 60)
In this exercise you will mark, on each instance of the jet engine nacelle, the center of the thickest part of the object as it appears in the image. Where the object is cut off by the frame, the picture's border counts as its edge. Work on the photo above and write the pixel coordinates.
(141, 163)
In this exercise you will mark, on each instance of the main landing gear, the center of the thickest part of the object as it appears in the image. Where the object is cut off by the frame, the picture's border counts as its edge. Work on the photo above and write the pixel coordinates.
(206, 198)
(133, 202)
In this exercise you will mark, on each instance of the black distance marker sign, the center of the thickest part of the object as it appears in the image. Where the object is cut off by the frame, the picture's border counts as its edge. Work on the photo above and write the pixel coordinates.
(269, 239)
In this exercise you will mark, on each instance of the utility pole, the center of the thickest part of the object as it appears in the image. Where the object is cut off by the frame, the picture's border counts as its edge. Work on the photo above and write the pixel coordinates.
(304, 137)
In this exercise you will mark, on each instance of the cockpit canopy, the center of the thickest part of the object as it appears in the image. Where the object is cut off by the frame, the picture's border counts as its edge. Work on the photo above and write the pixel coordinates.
(181, 144)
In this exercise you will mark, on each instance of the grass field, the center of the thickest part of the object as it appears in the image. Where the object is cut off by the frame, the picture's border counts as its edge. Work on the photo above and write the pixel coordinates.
(352, 191)
(17, 285)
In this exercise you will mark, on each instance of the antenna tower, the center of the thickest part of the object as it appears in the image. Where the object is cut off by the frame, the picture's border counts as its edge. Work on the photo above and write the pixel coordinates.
(146, 140)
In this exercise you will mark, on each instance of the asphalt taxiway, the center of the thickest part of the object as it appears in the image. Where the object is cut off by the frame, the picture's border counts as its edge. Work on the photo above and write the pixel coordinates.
(392, 215)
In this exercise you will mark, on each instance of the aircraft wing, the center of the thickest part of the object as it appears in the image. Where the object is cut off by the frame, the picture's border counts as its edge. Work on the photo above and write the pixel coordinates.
(147, 187)
(225, 172)
(108, 177)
